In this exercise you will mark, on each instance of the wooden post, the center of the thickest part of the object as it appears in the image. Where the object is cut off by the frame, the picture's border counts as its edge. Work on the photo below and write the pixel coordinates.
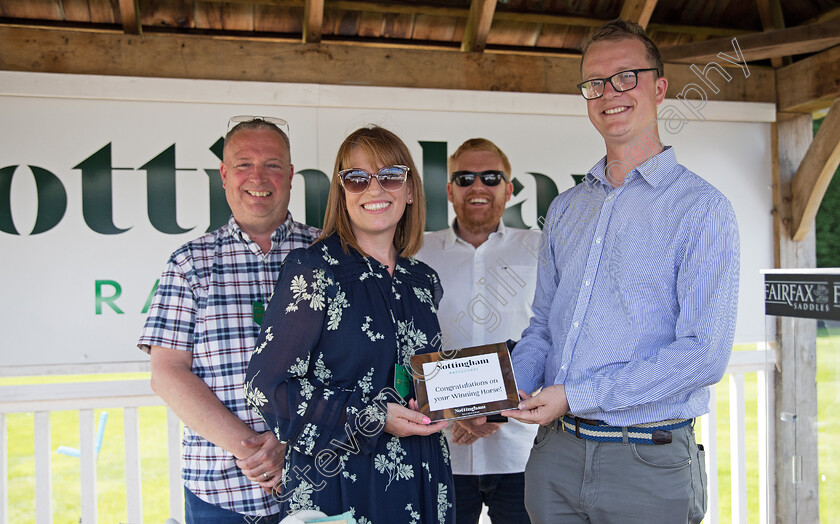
(795, 421)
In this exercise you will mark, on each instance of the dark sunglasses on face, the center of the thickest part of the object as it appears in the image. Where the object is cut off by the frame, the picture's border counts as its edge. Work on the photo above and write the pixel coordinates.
(488, 178)
(357, 180)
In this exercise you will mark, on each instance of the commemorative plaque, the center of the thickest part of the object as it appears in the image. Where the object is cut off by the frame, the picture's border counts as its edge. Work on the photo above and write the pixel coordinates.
(471, 382)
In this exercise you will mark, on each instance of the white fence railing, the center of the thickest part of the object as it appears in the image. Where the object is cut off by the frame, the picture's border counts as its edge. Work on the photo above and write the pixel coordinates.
(42, 399)
(131, 394)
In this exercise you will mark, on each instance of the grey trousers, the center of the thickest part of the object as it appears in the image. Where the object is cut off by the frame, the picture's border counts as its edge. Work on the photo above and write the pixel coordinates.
(568, 479)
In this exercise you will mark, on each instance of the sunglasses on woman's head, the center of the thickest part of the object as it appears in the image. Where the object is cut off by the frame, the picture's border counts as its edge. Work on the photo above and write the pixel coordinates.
(357, 180)
(488, 178)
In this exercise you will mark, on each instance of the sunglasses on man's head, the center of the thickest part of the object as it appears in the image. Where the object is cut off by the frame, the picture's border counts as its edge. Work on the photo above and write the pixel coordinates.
(488, 178)
(357, 180)
(281, 124)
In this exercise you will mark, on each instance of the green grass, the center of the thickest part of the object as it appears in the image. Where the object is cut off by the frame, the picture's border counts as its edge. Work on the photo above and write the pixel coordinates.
(111, 472)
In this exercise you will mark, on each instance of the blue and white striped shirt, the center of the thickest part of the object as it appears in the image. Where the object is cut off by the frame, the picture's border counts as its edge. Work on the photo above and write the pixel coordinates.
(636, 298)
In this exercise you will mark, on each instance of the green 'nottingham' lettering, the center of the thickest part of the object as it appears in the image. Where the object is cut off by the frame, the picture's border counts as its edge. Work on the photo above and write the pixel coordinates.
(434, 181)
(219, 208)
(97, 199)
(52, 200)
(160, 192)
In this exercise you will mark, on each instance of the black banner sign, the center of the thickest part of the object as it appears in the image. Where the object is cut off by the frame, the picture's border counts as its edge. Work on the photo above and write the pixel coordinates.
(802, 295)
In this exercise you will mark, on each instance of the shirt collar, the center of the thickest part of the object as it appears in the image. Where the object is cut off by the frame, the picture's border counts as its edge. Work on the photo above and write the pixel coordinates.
(277, 237)
(654, 170)
(452, 237)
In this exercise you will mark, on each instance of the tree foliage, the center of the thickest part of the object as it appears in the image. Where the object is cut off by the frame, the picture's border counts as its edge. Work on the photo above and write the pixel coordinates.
(828, 221)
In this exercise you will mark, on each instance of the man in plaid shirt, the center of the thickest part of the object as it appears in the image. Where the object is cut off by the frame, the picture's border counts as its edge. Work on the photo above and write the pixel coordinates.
(203, 325)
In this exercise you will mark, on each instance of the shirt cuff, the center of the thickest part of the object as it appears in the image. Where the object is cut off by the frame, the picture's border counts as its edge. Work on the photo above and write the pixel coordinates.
(582, 399)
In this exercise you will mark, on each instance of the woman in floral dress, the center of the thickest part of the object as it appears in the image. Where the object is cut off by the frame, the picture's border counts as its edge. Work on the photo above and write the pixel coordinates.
(329, 373)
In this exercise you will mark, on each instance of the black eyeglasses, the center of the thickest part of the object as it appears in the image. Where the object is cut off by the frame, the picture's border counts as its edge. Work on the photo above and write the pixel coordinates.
(488, 178)
(621, 81)
(357, 180)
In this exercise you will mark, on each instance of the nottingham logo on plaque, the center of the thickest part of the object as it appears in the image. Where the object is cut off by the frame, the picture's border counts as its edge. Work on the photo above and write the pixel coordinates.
(474, 381)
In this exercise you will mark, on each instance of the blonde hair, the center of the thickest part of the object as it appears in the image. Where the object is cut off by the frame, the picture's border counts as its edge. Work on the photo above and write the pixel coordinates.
(480, 144)
(381, 147)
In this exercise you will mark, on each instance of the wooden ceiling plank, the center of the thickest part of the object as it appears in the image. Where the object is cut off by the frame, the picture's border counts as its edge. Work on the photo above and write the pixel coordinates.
(62, 50)
(771, 18)
(399, 26)
(513, 34)
(272, 19)
(76, 11)
(103, 12)
(552, 36)
(437, 29)
(313, 21)
(809, 84)
(782, 42)
(478, 25)
(511, 16)
(176, 14)
(208, 15)
(638, 11)
(370, 25)
(130, 16)
(815, 173)
(237, 17)
(37, 9)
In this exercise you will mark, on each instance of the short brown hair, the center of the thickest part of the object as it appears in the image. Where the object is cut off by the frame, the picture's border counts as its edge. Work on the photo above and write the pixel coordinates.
(619, 29)
(381, 147)
(480, 144)
(255, 124)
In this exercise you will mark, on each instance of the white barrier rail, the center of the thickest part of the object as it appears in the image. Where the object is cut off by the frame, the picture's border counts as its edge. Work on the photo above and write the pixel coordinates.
(129, 395)
(41, 399)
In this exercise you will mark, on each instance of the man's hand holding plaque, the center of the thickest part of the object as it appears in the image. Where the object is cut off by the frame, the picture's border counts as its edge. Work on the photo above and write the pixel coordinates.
(468, 383)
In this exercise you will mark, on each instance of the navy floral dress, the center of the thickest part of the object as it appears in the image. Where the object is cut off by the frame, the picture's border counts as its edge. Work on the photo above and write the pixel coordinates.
(323, 372)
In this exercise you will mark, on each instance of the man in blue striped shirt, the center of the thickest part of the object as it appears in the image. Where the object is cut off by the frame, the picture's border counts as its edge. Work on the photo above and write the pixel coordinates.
(634, 312)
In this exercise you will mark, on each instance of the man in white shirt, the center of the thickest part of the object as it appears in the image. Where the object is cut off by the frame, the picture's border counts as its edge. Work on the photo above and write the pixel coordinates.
(488, 273)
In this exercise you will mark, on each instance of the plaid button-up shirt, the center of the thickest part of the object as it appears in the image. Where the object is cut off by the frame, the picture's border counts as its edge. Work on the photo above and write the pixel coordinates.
(205, 304)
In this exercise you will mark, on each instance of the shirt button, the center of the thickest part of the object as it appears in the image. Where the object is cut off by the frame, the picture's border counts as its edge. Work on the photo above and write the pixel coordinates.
(576, 324)
(587, 282)
(563, 367)
(598, 240)
(610, 197)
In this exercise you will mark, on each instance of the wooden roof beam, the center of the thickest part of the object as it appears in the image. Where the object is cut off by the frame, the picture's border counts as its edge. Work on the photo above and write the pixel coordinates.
(478, 25)
(107, 52)
(508, 16)
(313, 21)
(130, 14)
(810, 84)
(770, 13)
(815, 172)
(831, 14)
(638, 11)
(783, 42)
